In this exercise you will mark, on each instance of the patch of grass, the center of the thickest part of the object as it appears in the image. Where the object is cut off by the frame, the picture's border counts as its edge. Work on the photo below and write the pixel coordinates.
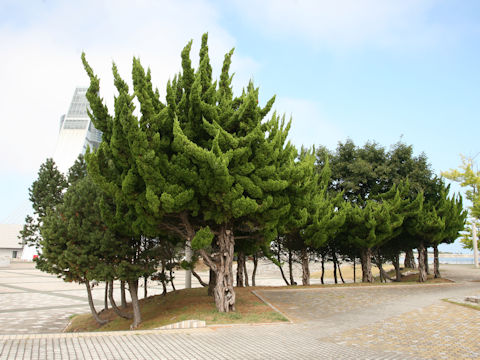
(183, 305)
(470, 306)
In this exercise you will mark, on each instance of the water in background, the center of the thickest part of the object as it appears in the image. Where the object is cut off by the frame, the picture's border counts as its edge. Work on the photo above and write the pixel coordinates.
(446, 259)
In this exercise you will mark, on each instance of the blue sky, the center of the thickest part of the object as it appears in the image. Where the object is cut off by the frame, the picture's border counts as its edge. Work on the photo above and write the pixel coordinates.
(366, 70)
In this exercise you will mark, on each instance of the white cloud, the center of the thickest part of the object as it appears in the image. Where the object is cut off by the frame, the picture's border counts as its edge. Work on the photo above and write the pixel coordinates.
(310, 124)
(40, 64)
(344, 24)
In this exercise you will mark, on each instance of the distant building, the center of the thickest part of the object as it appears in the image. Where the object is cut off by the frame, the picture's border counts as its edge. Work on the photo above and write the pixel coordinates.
(76, 132)
(75, 135)
(10, 244)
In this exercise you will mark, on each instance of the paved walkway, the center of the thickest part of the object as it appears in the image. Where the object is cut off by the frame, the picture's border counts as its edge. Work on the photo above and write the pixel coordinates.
(383, 322)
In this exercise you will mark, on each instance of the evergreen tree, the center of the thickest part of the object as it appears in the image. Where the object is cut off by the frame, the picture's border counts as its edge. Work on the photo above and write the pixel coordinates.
(45, 194)
(73, 238)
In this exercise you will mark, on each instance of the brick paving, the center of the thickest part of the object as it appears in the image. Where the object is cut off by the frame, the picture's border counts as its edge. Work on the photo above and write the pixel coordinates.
(393, 322)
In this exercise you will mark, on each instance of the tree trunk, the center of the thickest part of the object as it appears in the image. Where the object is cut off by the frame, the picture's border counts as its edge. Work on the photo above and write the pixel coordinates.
(211, 282)
(305, 268)
(427, 268)
(354, 270)
(92, 306)
(422, 273)
(245, 272)
(436, 263)
(255, 264)
(163, 279)
(224, 293)
(335, 269)
(396, 265)
(280, 266)
(137, 316)
(339, 270)
(366, 260)
(409, 261)
(114, 305)
(240, 267)
(145, 286)
(290, 267)
(323, 270)
(194, 273)
(122, 294)
(105, 307)
(171, 278)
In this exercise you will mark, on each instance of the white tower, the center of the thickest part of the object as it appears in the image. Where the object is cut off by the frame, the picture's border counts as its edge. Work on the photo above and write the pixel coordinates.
(76, 132)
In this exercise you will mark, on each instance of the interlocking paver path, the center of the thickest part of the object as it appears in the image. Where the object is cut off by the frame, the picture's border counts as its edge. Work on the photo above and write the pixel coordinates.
(394, 322)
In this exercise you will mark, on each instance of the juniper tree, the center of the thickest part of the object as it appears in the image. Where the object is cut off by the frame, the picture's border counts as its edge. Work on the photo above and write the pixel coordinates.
(211, 167)
(113, 167)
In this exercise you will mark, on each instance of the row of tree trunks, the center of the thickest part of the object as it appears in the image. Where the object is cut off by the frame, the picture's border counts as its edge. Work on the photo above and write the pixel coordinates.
(422, 271)
(366, 260)
(305, 268)
(409, 261)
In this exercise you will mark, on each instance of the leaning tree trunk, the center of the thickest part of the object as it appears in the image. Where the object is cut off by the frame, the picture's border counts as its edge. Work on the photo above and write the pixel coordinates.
(203, 283)
(122, 294)
(436, 262)
(305, 268)
(323, 270)
(211, 282)
(92, 306)
(240, 268)
(114, 305)
(335, 278)
(422, 273)
(290, 266)
(245, 272)
(105, 307)
(366, 260)
(339, 270)
(137, 316)
(409, 261)
(255, 264)
(280, 266)
(427, 268)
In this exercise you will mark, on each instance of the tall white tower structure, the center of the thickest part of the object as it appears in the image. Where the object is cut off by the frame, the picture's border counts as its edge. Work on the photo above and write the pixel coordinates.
(76, 132)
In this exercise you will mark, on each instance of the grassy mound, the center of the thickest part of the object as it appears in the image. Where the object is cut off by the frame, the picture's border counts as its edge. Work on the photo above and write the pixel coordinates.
(183, 305)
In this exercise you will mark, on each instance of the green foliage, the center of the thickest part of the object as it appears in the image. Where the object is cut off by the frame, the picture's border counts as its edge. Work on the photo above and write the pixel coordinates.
(203, 238)
(45, 194)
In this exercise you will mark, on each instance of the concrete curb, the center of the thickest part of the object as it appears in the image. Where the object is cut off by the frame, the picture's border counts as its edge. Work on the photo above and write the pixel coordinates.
(254, 292)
